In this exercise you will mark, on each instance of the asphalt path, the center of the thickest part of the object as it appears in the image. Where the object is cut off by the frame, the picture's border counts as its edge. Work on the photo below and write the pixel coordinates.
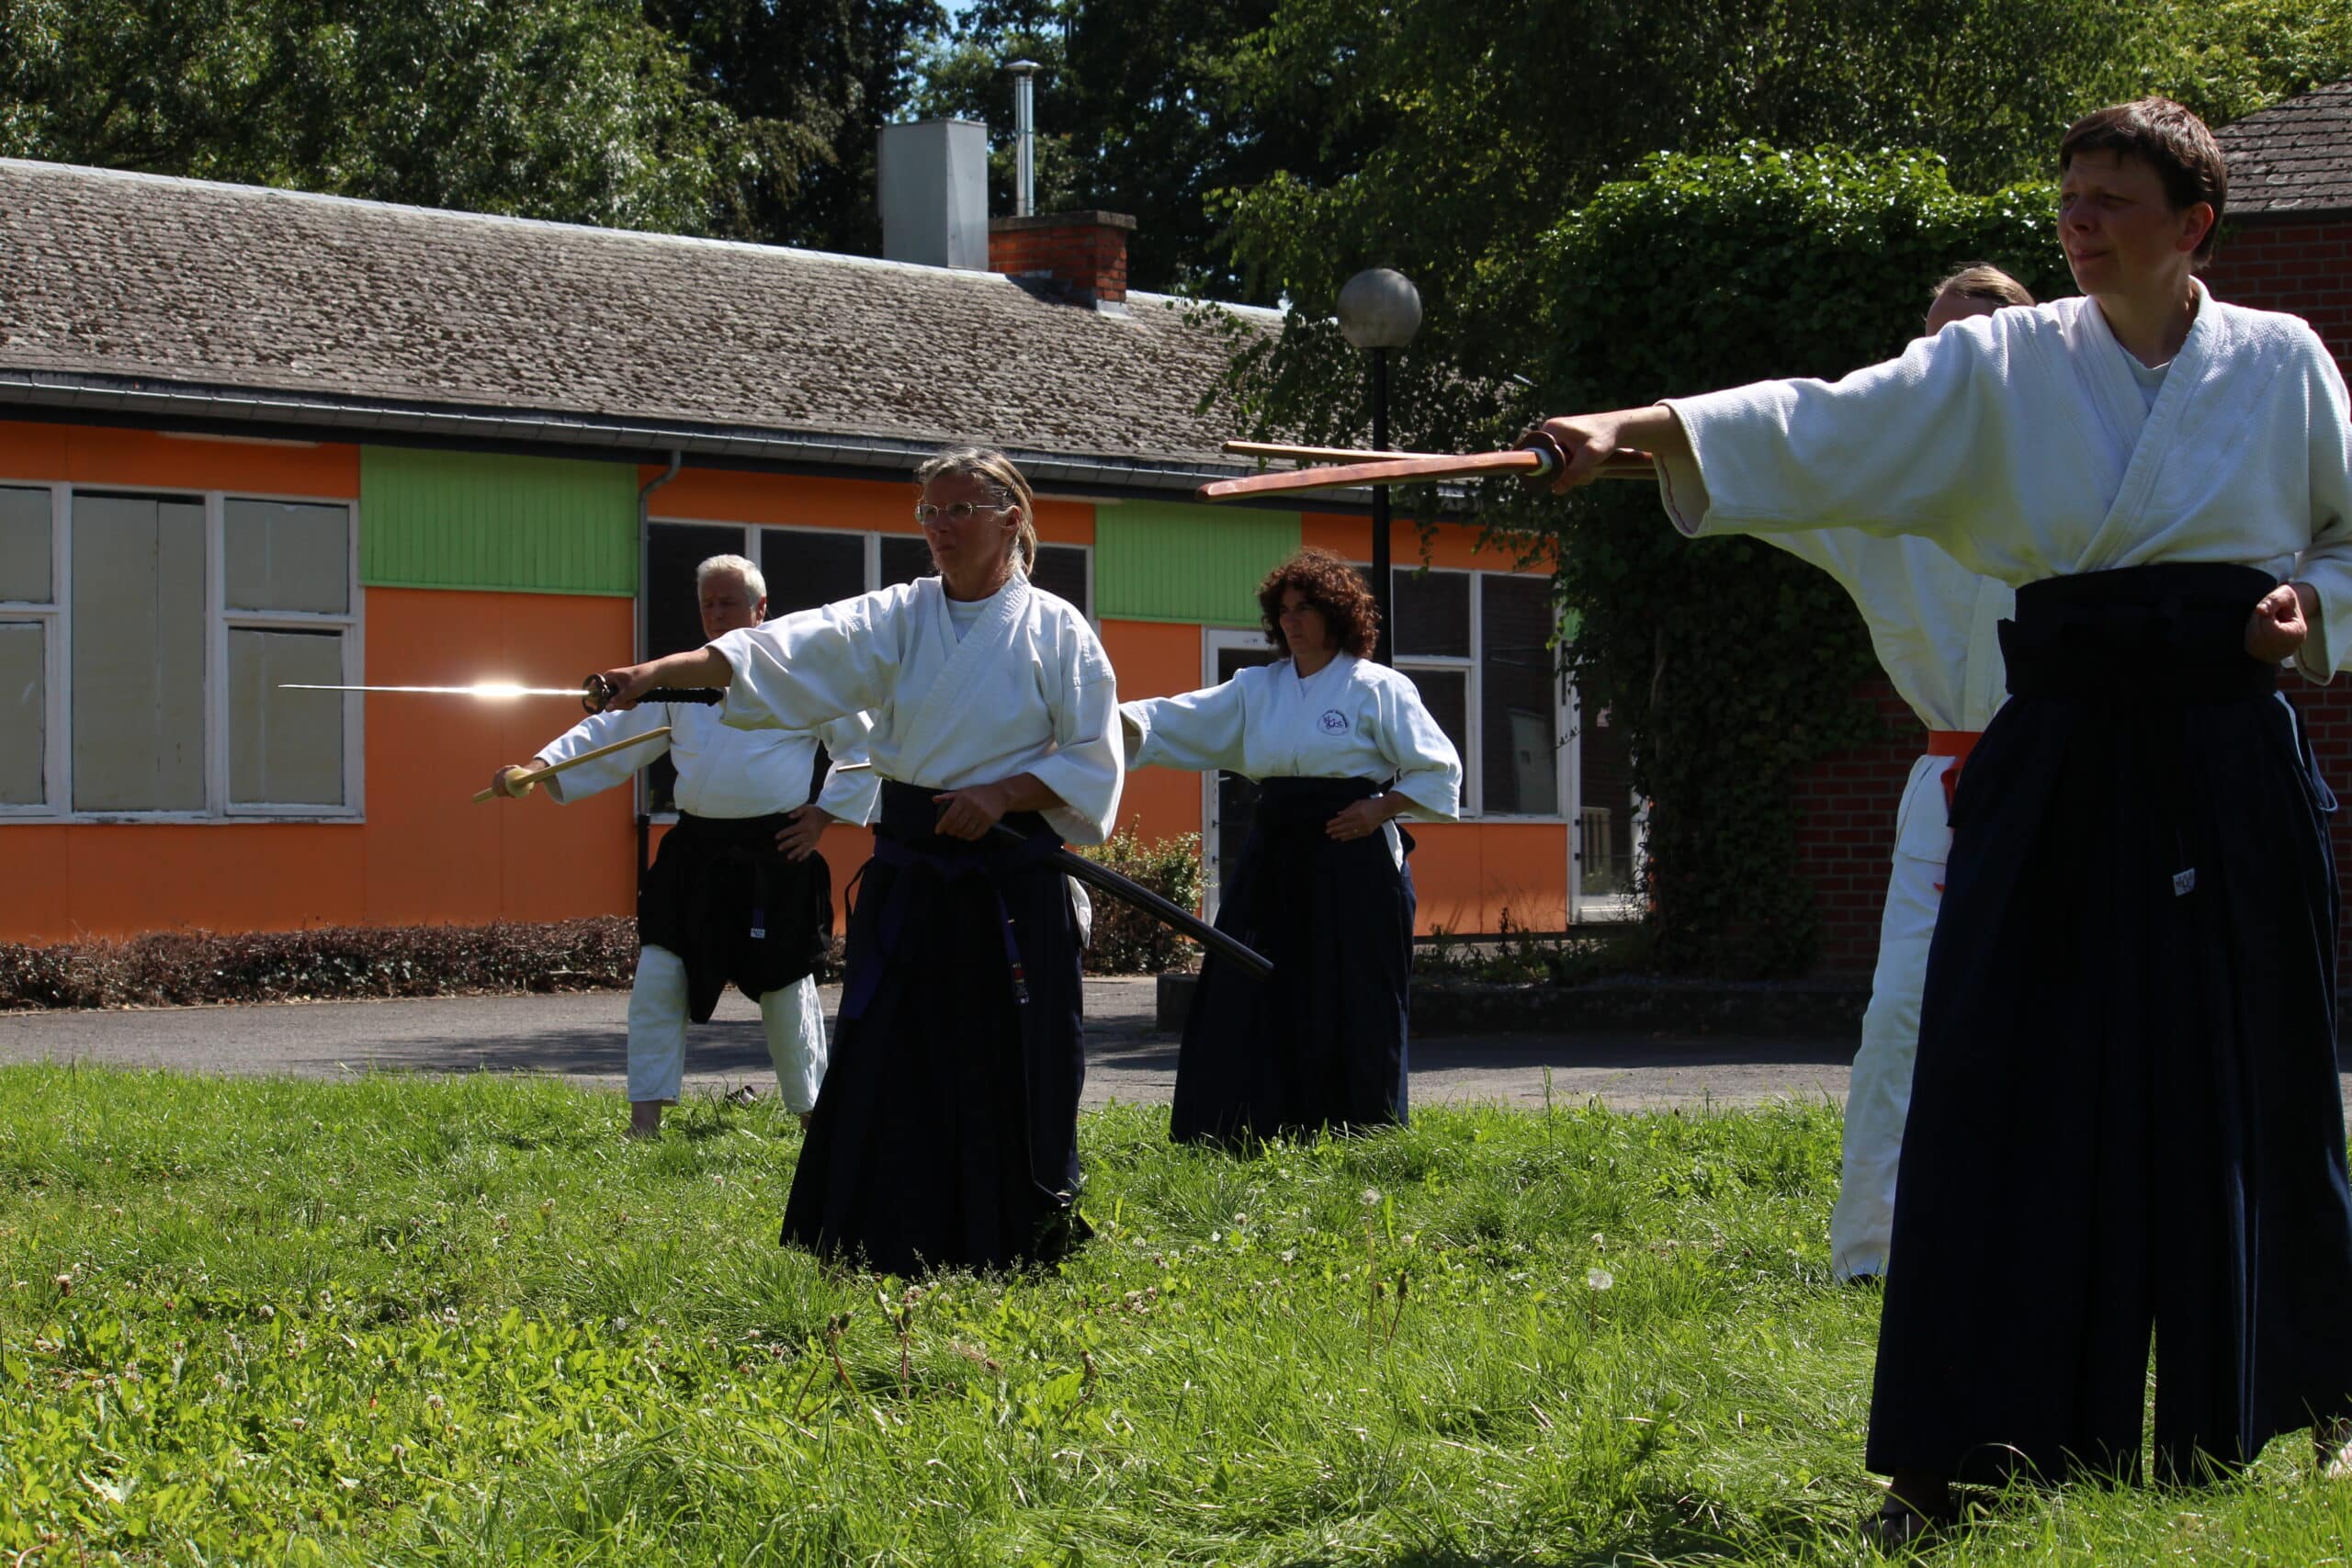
(582, 1037)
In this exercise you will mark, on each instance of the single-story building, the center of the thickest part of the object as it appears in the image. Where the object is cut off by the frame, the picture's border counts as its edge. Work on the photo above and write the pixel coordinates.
(251, 437)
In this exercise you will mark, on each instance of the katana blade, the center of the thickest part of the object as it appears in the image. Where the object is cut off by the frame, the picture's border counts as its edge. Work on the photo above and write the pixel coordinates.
(490, 689)
(496, 691)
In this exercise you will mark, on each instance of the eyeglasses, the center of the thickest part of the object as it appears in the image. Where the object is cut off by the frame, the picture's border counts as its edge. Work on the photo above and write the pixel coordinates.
(955, 511)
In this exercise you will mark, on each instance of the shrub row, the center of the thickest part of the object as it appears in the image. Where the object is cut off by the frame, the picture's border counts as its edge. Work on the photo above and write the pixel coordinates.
(331, 964)
(347, 962)
(1126, 940)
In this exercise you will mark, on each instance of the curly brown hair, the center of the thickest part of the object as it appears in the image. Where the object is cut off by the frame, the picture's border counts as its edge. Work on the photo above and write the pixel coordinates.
(1332, 586)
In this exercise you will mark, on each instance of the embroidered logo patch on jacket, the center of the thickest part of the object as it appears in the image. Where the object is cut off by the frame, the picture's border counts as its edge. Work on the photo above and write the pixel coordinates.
(1334, 722)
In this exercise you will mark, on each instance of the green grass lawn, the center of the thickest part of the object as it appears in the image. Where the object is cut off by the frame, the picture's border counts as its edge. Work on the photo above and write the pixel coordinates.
(422, 1321)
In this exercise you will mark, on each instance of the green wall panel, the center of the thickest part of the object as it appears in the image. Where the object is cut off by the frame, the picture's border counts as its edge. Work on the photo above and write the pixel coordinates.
(1169, 560)
(477, 520)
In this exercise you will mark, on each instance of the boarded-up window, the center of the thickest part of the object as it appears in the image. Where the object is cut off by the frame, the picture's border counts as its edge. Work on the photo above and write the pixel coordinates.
(25, 572)
(24, 713)
(137, 688)
(287, 555)
(284, 748)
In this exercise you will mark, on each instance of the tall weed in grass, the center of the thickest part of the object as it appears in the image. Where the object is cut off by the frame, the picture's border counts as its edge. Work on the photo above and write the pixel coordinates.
(409, 1321)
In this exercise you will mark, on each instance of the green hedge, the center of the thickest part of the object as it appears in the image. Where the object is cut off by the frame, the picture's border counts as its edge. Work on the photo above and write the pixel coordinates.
(332, 963)
(1126, 940)
(1733, 666)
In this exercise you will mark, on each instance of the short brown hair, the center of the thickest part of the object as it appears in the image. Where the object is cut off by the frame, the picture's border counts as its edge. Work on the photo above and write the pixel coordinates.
(2169, 139)
(1330, 585)
(1982, 280)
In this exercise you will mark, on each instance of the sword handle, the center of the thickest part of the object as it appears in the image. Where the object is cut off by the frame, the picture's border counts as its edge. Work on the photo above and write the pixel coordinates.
(597, 691)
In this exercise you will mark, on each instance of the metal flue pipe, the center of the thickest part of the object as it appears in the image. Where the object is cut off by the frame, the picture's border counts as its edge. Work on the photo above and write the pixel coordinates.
(1025, 137)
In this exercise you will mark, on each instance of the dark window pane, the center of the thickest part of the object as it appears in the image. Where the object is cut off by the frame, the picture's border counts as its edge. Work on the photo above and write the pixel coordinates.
(904, 558)
(673, 609)
(673, 613)
(1446, 694)
(1432, 611)
(1061, 571)
(1606, 804)
(1518, 706)
(804, 568)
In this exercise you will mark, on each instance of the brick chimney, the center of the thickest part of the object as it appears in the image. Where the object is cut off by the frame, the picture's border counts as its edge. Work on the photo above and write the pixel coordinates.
(1083, 254)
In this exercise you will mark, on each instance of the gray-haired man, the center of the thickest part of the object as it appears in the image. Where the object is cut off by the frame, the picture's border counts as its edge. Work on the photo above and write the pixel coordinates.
(737, 892)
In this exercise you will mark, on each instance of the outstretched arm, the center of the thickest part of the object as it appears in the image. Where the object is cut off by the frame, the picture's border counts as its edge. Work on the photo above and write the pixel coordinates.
(1591, 439)
(703, 667)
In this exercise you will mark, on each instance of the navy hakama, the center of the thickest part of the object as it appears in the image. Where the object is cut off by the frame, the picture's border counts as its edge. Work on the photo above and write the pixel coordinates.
(1322, 1042)
(946, 1134)
(734, 908)
(2125, 1115)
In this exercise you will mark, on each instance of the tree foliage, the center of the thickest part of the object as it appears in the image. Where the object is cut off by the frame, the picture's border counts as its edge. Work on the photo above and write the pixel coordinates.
(807, 83)
(1149, 108)
(571, 109)
(747, 118)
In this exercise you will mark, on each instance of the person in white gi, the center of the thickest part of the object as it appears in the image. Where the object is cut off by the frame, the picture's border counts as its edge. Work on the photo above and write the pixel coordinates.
(2125, 1110)
(946, 1134)
(1934, 626)
(1340, 748)
(724, 774)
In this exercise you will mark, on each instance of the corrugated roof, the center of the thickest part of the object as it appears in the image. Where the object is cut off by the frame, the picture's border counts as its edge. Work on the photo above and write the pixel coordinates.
(2293, 157)
(140, 291)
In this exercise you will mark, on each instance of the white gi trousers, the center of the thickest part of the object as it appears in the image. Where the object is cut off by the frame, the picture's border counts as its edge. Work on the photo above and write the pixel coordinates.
(1878, 1098)
(794, 1017)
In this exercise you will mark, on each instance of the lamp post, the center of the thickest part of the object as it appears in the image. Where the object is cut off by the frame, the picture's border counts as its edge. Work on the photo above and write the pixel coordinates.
(1380, 310)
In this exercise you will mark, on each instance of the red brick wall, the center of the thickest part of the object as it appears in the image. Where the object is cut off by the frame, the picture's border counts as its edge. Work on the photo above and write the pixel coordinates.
(2305, 268)
(1846, 834)
(1846, 803)
(1091, 257)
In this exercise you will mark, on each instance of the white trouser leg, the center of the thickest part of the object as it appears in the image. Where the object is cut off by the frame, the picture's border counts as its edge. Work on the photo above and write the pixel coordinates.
(795, 1017)
(657, 1026)
(1878, 1097)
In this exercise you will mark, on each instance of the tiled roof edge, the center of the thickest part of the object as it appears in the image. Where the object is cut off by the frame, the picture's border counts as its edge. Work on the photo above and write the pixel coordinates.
(222, 189)
(66, 393)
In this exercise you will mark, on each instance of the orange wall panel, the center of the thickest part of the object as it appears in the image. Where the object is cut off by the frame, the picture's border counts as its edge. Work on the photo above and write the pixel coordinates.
(1455, 545)
(1156, 658)
(1468, 874)
(725, 496)
(433, 854)
(36, 887)
(94, 455)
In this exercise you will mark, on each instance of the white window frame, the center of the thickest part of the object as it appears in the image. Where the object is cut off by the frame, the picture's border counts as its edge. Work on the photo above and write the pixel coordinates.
(1474, 769)
(50, 616)
(1214, 641)
(220, 620)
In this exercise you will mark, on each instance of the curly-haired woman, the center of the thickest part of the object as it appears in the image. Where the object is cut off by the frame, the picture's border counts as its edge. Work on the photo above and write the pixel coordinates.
(1340, 746)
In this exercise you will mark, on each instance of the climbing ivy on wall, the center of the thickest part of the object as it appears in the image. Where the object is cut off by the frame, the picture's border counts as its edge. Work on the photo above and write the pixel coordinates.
(1734, 666)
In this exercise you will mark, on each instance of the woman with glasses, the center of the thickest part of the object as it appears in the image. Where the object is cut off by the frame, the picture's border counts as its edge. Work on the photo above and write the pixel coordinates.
(945, 1135)
(1340, 746)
